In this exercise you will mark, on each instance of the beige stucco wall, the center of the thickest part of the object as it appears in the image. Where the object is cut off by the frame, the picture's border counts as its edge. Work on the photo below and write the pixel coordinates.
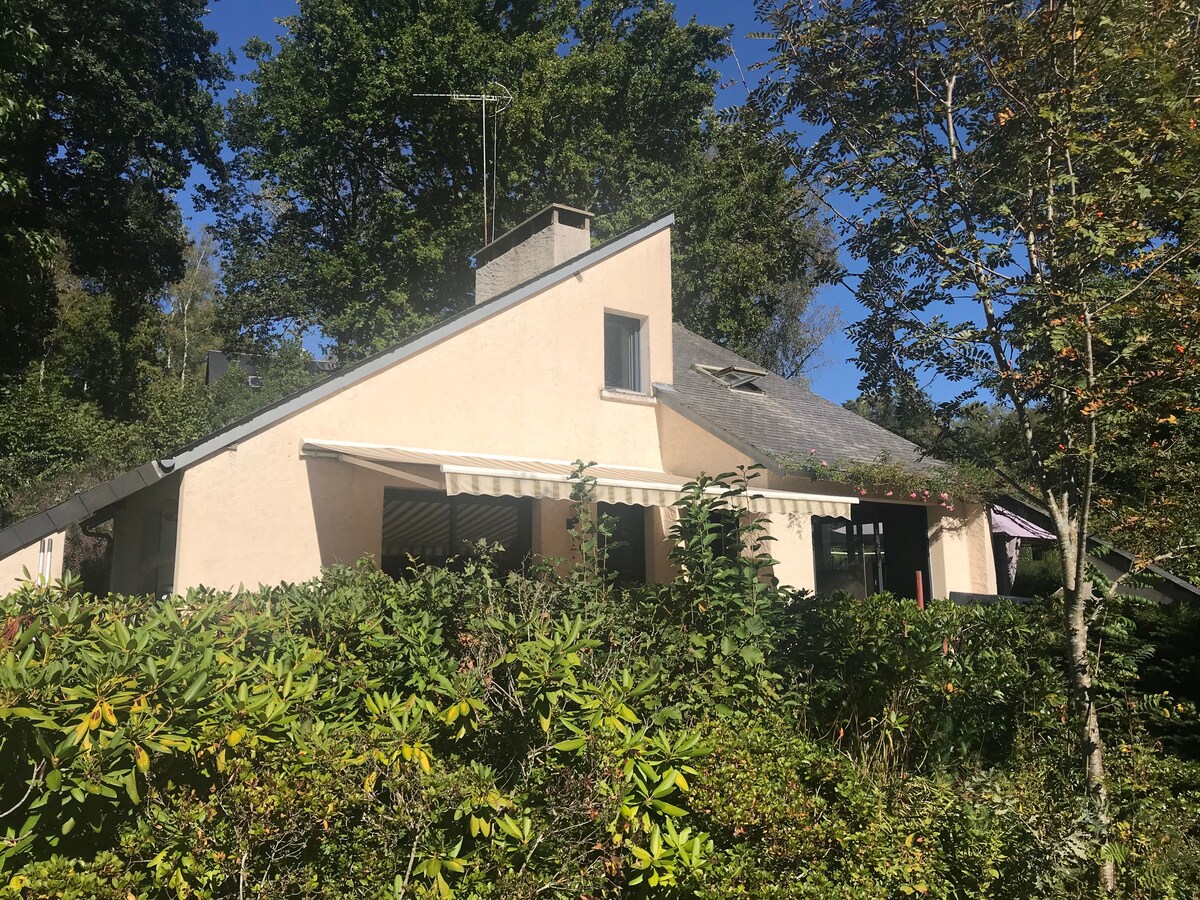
(551, 532)
(960, 550)
(792, 546)
(47, 552)
(688, 449)
(526, 382)
(793, 549)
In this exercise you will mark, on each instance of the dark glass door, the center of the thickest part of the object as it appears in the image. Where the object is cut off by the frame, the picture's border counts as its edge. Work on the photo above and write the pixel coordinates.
(880, 548)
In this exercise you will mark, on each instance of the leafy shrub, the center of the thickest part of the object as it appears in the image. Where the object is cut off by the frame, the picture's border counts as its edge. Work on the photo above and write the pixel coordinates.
(264, 740)
(469, 734)
(901, 687)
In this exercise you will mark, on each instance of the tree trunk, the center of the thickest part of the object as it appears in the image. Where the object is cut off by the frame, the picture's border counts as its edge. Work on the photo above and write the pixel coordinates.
(1076, 591)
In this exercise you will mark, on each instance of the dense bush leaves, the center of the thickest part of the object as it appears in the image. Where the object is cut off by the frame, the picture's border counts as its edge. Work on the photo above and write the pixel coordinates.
(467, 734)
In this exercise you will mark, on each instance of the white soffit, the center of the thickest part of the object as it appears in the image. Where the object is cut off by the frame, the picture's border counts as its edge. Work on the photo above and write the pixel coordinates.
(550, 479)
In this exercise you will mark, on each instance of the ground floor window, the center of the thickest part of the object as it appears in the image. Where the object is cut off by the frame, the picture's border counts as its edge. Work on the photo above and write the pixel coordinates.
(435, 529)
(625, 553)
(880, 548)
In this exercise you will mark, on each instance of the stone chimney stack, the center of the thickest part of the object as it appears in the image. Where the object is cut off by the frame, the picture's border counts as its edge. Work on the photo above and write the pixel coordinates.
(544, 240)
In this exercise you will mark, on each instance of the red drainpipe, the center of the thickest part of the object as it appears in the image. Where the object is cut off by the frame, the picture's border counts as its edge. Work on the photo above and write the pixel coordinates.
(920, 589)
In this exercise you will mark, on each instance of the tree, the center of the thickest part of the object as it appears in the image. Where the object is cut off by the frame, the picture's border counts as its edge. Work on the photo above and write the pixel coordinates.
(53, 444)
(354, 204)
(1027, 181)
(748, 256)
(20, 50)
(98, 347)
(112, 103)
(189, 313)
(903, 408)
(984, 436)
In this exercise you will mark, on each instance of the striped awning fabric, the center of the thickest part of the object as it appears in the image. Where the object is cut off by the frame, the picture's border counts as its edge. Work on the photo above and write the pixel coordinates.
(510, 476)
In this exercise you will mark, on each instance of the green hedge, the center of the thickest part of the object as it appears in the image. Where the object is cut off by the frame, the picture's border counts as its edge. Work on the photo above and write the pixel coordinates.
(474, 735)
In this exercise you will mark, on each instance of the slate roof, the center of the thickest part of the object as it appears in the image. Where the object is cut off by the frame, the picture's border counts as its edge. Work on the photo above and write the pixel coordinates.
(785, 422)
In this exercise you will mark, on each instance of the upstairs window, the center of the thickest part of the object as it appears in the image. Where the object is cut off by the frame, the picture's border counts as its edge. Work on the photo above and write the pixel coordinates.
(623, 353)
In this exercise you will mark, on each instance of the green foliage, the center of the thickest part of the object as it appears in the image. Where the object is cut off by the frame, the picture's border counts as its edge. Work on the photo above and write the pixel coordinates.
(730, 603)
(52, 445)
(189, 314)
(270, 739)
(1037, 576)
(111, 104)
(466, 734)
(747, 257)
(20, 48)
(1026, 188)
(355, 204)
(104, 109)
(885, 477)
(591, 534)
(100, 401)
(105, 877)
(283, 372)
(901, 688)
(794, 819)
(1028, 229)
(981, 438)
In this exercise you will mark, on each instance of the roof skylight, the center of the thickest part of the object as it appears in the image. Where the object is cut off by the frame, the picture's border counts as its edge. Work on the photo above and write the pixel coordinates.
(736, 378)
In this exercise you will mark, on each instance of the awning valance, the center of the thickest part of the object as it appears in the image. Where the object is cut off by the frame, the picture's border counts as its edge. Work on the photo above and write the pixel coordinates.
(512, 476)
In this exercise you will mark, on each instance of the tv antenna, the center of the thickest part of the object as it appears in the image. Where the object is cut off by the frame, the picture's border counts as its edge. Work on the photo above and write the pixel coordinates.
(501, 99)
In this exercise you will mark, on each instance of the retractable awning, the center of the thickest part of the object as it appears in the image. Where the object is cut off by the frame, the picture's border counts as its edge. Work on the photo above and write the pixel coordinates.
(516, 476)
(1013, 525)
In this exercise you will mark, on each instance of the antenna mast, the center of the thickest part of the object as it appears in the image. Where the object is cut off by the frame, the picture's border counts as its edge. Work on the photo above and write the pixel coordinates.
(501, 99)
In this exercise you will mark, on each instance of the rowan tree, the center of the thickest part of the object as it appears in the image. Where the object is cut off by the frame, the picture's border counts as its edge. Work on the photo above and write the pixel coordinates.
(1025, 180)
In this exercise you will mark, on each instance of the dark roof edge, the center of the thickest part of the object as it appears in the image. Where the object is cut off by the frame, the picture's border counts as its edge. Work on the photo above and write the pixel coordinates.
(78, 507)
(25, 532)
(669, 397)
(1156, 571)
(1107, 546)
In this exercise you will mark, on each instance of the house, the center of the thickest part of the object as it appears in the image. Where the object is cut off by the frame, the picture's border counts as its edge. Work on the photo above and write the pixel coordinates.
(469, 430)
(41, 560)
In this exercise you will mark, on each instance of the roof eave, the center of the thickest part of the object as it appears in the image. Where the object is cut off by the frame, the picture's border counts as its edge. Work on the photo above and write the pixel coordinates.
(78, 507)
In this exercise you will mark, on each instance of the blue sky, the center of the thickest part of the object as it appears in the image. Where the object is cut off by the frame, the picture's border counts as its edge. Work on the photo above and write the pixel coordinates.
(235, 21)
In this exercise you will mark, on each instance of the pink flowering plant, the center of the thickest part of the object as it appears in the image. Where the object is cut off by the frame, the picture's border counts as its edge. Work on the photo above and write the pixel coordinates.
(888, 479)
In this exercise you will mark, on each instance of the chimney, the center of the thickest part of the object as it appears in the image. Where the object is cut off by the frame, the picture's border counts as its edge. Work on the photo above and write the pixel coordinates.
(554, 235)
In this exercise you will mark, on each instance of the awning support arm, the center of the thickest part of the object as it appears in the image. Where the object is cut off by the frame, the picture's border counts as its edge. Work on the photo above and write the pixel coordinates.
(395, 472)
